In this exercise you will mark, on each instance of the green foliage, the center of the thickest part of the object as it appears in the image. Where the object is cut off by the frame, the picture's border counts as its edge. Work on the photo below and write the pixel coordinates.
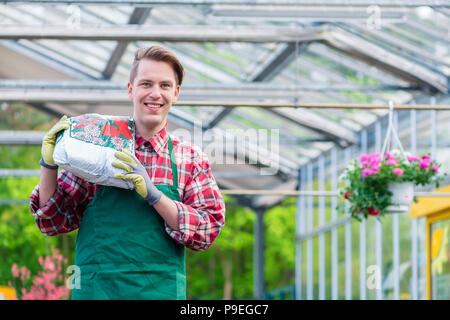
(209, 271)
(279, 252)
(228, 262)
(20, 117)
(20, 157)
(21, 241)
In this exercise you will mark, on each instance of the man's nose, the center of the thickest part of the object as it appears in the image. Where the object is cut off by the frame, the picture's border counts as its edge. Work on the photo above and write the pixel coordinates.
(155, 93)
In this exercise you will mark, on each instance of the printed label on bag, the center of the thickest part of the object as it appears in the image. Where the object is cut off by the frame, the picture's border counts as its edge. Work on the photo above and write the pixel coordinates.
(116, 133)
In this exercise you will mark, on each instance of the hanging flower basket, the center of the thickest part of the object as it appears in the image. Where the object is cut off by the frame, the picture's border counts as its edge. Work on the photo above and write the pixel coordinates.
(384, 182)
(378, 184)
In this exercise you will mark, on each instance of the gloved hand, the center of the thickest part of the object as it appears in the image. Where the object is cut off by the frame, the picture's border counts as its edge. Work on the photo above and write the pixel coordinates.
(49, 141)
(136, 173)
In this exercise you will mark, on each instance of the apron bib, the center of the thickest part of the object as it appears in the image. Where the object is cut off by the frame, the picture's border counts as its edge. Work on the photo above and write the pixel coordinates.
(123, 250)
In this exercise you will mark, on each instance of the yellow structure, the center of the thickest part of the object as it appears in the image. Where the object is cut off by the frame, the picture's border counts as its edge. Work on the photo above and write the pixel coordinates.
(7, 293)
(437, 214)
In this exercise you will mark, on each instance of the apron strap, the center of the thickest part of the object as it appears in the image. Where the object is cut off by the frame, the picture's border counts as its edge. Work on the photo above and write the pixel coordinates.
(173, 163)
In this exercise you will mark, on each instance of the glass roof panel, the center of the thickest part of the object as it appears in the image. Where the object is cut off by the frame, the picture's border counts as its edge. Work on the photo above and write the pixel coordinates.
(292, 147)
(418, 34)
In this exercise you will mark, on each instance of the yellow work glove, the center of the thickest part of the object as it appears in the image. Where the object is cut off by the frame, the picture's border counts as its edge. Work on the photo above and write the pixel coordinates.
(136, 173)
(49, 141)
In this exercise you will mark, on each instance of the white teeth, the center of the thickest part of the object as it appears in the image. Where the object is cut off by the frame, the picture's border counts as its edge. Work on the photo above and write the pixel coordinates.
(153, 106)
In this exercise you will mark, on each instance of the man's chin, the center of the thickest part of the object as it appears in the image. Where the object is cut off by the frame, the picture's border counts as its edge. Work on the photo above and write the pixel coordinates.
(149, 121)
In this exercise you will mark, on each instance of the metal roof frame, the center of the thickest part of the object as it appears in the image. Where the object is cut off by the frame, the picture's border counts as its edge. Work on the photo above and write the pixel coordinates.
(351, 44)
(335, 3)
(275, 50)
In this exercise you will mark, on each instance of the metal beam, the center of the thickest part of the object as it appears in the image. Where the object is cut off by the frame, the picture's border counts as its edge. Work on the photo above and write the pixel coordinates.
(138, 17)
(275, 64)
(169, 33)
(339, 39)
(6, 173)
(119, 98)
(248, 90)
(18, 137)
(277, 13)
(19, 173)
(351, 44)
(258, 256)
(299, 3)
(21, 137)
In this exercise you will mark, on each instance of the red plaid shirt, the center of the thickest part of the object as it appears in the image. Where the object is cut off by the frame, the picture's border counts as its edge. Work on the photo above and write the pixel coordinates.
(201, 211)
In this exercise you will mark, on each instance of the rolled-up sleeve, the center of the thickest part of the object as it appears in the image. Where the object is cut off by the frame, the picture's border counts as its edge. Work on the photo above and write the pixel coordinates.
(62, 212)
(201, 215)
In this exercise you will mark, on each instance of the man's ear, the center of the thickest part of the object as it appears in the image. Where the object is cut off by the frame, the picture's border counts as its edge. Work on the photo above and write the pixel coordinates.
(176, 94)
(130, 90)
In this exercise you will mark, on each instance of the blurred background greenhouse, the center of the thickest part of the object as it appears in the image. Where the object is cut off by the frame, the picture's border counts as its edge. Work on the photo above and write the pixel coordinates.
(297, 88)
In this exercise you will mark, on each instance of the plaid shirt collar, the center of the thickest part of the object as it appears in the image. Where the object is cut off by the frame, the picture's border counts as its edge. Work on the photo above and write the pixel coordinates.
(158, 141)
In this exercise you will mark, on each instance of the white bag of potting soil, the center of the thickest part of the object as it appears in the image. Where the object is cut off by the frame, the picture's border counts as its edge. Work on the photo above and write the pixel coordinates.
(87, 148)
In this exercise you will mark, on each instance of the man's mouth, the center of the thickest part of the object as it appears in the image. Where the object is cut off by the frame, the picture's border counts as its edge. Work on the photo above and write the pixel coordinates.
(153, 105)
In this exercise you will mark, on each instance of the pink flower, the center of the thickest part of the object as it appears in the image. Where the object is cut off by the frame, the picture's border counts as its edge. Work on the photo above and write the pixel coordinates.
(412, 159)
(424, 164)
(392, 161)
(397, 171)
(435, 168)
(25, 273)
(363, 157)
(367, 172)
(45, 285)
(364, 164)
(49, 265)
(15, 270)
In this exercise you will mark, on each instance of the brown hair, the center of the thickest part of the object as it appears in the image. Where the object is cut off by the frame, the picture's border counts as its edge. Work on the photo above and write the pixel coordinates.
(157, 53)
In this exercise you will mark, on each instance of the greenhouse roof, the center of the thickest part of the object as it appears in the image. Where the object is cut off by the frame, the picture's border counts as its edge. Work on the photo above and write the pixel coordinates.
(74, 57)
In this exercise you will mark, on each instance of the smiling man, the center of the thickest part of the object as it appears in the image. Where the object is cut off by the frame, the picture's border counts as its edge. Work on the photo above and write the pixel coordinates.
(130, 243)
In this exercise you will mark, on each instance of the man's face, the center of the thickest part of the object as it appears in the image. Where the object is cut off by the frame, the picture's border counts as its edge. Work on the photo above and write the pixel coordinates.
(153, 91)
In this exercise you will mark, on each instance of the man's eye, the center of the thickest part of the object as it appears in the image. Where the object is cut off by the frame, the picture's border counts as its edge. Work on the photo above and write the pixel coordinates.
(166, 85)
(145, 84)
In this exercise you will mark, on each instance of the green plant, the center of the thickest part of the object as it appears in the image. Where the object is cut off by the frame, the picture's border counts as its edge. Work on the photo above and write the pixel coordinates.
(367, 180)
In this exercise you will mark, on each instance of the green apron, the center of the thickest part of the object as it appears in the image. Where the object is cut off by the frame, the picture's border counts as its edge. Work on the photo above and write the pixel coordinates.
(123, 250)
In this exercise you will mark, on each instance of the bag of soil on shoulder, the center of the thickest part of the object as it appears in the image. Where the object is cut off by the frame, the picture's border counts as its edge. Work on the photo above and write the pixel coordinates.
(87, 148)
